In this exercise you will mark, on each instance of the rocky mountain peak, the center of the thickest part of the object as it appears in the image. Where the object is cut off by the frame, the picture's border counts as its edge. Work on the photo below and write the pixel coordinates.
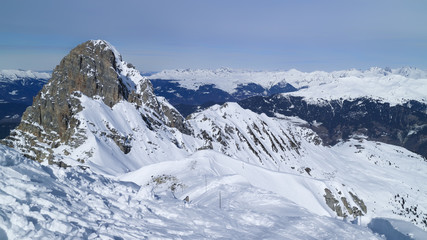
(91, 68)
(96, 70)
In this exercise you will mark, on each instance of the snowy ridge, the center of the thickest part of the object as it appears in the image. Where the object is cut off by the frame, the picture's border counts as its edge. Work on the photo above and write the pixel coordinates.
(13, 75)
(135, 82)
(249, 137)
(390, 85)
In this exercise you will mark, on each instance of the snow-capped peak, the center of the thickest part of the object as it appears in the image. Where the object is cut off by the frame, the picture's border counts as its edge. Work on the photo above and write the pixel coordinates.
(130, 76)
(107, 46)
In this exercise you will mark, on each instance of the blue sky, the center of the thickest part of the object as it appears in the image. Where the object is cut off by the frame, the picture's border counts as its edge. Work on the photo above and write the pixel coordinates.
(261, 35)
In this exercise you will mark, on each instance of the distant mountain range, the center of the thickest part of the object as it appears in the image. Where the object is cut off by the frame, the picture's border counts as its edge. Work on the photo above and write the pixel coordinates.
(389, 85)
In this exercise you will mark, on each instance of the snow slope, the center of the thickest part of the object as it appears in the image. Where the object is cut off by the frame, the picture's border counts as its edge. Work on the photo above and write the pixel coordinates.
(44, 202)
(390, 85)
(39, 201)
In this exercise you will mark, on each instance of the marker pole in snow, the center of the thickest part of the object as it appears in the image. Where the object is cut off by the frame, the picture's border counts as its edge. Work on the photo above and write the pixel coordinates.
(219, 199)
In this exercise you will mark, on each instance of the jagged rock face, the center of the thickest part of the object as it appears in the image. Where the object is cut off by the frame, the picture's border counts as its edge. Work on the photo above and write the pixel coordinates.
(89, 69)
(162, 110)
(403, 125)
(359, 208)
(93, 69)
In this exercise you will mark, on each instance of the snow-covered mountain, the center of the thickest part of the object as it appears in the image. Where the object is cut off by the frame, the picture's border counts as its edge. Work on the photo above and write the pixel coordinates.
(224, 172)
(390, 85)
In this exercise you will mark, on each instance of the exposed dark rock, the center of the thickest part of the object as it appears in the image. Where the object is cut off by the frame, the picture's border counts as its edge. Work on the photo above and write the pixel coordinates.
(347, 205)
(162, 109)
(332, 202)
(359, 202)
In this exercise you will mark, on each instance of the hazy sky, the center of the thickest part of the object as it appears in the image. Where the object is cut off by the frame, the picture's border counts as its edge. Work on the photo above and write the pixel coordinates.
(261, 35)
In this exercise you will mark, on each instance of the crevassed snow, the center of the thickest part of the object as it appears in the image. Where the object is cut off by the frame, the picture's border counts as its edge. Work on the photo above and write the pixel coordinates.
(391, 85)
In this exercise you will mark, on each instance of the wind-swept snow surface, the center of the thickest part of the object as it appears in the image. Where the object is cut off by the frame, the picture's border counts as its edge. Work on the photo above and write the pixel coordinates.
(45, 202)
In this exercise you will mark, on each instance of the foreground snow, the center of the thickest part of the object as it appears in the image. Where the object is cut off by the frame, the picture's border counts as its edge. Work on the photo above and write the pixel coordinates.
(39, 201)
